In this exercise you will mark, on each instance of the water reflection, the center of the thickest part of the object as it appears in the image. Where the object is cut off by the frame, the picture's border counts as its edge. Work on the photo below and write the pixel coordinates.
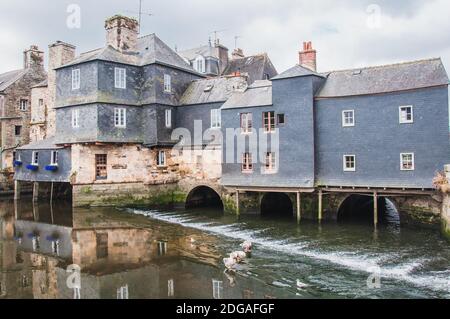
(120, 256)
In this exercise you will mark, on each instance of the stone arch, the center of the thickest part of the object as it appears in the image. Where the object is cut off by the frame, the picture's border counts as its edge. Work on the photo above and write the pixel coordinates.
(204, 196)
(360, 208)
(277, 205)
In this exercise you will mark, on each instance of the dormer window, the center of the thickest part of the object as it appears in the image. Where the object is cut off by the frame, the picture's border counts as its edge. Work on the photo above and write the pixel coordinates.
(167, 83)
(120, 76)
(199, 64)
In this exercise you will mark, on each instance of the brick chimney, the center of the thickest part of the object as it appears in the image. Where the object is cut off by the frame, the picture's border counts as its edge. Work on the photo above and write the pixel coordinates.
(122, 33)
(308, 57)
(237, 54)
(33, 58)
(222, 52)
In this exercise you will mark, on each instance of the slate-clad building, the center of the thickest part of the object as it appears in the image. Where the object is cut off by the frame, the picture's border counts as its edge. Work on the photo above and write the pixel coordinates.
(136, 122)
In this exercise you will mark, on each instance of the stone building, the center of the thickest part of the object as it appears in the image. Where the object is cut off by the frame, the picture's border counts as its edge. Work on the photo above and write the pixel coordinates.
(15, 104)
(136, 123)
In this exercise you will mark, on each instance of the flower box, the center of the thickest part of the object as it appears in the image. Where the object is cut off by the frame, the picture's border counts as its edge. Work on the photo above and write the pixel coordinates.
(32, 167)
(17, 163)
(51, 168)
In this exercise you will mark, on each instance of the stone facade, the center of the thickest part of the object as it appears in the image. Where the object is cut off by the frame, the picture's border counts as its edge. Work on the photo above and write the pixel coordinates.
(16, 106)
(39, 113)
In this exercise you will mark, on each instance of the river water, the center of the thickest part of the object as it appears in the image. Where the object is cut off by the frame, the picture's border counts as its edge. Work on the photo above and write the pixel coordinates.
(143, 253)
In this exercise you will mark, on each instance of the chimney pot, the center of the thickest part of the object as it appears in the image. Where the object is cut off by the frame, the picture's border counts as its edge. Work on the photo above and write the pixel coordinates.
(308, 57)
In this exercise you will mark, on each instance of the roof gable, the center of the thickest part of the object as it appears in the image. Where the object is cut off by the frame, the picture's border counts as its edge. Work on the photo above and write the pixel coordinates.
(296, 71)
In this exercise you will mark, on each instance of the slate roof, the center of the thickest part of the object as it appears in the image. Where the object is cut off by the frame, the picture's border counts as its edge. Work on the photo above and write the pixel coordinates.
(254, 66)
(296, 71)
(257, 94)
(204, 50)
(47, 144)
(150, 50)
(9, 78)
(218, 89)
(384, 79)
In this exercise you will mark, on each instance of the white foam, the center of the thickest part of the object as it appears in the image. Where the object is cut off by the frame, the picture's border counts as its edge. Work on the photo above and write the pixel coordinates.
(350, 260)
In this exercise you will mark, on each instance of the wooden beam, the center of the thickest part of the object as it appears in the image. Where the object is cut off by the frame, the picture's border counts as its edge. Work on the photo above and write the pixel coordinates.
(375, 209)
(238, 206)
(299, 207)
(274, 189)
(17, 190)
(320, 210)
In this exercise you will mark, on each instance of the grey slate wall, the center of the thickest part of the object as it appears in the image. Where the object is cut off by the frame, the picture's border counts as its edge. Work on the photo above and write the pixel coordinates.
(292, 97)
(88, 85)
(41, 175)
(188, 114)
(378, 139)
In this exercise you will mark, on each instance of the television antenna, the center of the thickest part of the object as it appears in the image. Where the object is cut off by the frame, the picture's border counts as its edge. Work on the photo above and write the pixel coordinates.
(236, 38)
(216, 32)
(140, 14)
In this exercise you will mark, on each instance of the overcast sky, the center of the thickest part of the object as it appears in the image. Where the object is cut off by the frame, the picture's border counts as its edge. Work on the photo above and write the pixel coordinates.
(346, 34)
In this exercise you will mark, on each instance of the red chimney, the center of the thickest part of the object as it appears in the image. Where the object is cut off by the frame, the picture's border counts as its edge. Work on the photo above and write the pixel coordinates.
(308, 57)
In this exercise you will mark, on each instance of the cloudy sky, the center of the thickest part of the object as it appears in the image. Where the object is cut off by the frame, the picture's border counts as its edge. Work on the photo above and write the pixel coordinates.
(346, 34)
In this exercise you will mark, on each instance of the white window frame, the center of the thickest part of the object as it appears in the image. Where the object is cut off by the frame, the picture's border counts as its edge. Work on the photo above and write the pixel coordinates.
(76, 118)
(120, 117)
(55, 247)
(162, 248)
(247, 163)
(76, 79)
(402, 162)
(404, 120)
(120, 78)
(271, 159)
(345, 167)
(167, 83)
(344, 118)
(162, 159)
(271, 126)
(216, 118)
(23, 105)
(246, 123)
(35, 158)
(168, 118)
(54, 158)
(200, 64)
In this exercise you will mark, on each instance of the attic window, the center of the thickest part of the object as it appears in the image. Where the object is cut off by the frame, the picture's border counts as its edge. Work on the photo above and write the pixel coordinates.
(357, 72)
(208, 88)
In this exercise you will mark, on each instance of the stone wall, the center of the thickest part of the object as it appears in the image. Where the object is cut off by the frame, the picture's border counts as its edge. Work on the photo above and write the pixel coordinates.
(13, 116)
(39, 104)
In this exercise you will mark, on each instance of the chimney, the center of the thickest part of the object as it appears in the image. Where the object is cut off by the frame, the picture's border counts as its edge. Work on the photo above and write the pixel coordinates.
(222, 52)
(308, 57)
(33, 58)
(237, 54)
(59, 54)
(122, 33)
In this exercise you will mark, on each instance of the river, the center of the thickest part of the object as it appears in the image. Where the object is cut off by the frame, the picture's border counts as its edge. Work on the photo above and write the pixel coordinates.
(144, 253)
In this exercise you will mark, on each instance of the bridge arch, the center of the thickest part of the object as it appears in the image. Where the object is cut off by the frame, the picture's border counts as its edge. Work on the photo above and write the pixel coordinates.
(277, 205)
(359, 208)
(204, 197)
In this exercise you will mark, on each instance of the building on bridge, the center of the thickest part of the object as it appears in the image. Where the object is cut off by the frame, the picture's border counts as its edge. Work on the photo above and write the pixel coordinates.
(136, 122)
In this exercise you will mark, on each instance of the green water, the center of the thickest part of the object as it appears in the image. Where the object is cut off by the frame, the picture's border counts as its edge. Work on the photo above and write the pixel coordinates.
(143, 253)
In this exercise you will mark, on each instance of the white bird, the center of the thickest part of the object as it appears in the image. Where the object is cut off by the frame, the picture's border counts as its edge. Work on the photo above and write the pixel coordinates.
(229, 263)
(247, 247)
(238, 256)
(301, 285)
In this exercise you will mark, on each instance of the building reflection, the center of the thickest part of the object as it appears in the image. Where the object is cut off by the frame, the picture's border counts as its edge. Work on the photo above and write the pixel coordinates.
(120, 256)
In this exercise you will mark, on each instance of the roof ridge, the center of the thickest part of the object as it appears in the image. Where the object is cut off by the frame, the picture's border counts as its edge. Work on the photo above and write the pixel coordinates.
(383, 65)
